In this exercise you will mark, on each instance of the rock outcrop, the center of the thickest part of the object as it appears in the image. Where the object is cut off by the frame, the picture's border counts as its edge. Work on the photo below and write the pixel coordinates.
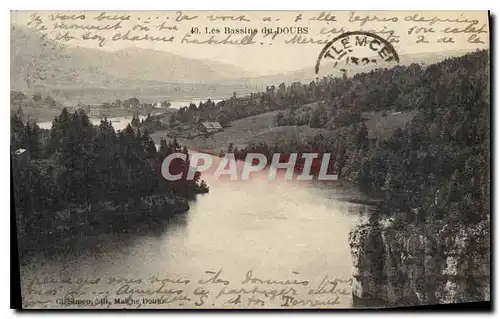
(423, 264)
(98, 217)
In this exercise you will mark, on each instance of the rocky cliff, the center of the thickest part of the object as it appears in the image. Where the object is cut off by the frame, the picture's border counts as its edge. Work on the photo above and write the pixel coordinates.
(420, 264)
(96, 218)
(143, 208)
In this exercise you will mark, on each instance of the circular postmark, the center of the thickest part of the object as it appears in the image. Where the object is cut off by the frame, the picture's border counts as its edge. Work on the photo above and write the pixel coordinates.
(357, 48)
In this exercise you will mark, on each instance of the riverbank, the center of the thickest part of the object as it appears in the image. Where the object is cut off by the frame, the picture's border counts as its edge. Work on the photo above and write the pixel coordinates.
(96, 218)
(394, 264)
(41, 114)
(119, 112)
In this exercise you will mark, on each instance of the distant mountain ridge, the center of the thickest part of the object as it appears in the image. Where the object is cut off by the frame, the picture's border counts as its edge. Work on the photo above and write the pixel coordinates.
(93, 76)
(85, 66)
(305, 75)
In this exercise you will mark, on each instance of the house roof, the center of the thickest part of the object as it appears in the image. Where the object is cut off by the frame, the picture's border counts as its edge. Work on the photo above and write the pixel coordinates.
(20, 151)
(211, 125)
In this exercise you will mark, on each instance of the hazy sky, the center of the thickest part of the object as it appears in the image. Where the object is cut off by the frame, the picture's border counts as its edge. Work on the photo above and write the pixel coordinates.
(265, 56)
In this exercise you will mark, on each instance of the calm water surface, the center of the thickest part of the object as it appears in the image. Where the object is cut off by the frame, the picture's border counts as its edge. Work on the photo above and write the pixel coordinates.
(280, 230)
(119, 123)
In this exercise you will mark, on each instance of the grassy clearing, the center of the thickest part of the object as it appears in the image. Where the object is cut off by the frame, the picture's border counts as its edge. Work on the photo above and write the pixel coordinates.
(262, 128)
(385, 123)
(240, 133)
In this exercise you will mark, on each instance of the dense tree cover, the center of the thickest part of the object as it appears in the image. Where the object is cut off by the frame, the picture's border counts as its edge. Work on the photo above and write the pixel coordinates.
(150, 124)
(77, 163)
(342, 99)
(19, 100)
(207, 111)
(132, 102)
(240, 107)
(335, 143)
(437, 167)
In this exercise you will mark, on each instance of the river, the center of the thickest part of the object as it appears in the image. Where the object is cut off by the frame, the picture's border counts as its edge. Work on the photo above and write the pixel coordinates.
(277, 229)
(119, 123)
(179, 104)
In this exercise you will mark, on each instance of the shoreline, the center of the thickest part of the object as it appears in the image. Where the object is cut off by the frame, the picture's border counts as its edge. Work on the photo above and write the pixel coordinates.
(114, 216)
(41, 115)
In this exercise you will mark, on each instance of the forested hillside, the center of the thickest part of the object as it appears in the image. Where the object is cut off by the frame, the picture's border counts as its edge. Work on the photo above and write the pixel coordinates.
(428, 242)
(76, 164)
(438, 163)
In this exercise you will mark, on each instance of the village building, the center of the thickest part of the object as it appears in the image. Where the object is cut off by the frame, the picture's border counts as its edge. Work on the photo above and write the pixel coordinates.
(20, 151)
(209, 127)
(93, 110)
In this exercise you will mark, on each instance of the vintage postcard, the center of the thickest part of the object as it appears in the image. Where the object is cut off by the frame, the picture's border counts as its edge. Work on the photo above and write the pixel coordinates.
(251, 159)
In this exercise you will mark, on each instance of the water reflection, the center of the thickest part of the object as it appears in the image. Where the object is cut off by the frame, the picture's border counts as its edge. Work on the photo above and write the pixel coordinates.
(119, 123)
(276, 228)
(58, 248)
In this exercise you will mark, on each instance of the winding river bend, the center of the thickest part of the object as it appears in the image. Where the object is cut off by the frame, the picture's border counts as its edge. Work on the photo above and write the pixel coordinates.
(276, 229)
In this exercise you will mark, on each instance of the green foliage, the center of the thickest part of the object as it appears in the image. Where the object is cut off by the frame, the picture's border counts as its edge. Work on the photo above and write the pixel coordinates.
(439, 164)
(76, 163)
(435, 167)
(19, 99)
(318, 117)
